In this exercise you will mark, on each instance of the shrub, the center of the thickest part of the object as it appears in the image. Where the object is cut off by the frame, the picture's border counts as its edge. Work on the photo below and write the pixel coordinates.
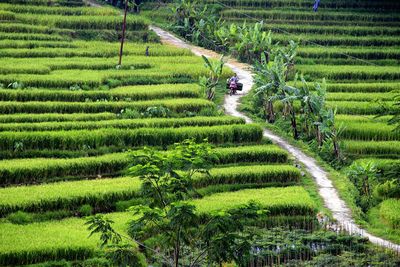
(20, 217)
(96, 262)
(85, 210)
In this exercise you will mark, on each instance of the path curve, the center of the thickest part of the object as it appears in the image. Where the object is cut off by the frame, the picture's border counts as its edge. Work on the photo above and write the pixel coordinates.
(328, 192)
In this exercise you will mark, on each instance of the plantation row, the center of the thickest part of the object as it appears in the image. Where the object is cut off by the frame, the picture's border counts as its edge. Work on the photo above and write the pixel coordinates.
(70, 3)
(67, 239)
(70, 18)
(127, 93)
(45, 117)
(29, 171)
(306, 4)
(76, 140)
(179, 105)
(308, 15)
(94, 48)
(112, 78)
(123, 124)
(102, 193)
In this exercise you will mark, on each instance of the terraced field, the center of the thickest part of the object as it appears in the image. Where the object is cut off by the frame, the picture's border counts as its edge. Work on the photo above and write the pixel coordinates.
(69, 117)
(355, 46)
(355, 49)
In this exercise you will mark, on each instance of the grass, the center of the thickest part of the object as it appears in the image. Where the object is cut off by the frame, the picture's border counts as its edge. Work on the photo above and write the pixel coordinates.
(363, 148)
(102, 193)
(122, 124)
(68, 238)
(390, 212)
(376, 226)
(55, 117)
(68, 195)
(77, 140)
(293, 200)
(39, 170)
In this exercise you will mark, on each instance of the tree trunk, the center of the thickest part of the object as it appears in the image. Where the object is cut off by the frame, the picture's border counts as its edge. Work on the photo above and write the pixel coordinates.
(177, 250)
(270, 112)
(294, 124)
(336, 149)
(319, 137)
(123, 33)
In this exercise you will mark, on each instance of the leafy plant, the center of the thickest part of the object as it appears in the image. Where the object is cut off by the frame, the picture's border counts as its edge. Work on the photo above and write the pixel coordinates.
(363, 175)
(208, 84)
(168, 229)
(20, 217)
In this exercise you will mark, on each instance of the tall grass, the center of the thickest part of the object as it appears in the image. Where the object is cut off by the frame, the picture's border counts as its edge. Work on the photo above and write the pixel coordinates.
(55, 117)
(178, 105)
(390, 212)
(101, 194)
(380, 148)
(363, 87)
(77, 140)
(68, 238)
(369, 131)
(129, 93)
(277, 175)
(292, 200)
(123, 124)
(28, 171)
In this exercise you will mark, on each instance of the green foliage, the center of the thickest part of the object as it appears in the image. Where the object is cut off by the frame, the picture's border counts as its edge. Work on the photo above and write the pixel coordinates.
(363, 175)
(85, 210)
(20, 217)
(210, 82)
(125, 255)
(167, 179)
(157, 112)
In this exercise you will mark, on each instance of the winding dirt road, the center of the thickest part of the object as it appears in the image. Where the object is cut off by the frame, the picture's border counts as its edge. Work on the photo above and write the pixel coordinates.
(328, 192)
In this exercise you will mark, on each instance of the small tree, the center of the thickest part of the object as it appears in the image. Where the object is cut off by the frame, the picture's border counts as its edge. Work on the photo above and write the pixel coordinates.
(269, 78)
(210, 83)
(168, 229)
(330, 131)
(363, 175)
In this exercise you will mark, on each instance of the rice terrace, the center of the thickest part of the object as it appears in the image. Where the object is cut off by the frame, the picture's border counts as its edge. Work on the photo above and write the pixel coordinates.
(199, 133)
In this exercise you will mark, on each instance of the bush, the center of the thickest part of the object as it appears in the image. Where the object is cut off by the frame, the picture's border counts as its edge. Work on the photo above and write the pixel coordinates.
(20, 217)
(96, 262)
(85, 210)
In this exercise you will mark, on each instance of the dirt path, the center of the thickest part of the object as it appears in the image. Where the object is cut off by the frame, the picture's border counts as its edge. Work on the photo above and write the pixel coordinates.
(92, 3)
(327, 191)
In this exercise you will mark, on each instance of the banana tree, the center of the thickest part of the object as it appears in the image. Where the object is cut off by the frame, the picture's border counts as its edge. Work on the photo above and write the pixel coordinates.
(269, 78)
(330, 131)
(288, 95)
(288, 54)
(215, 71)
(312, 102)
